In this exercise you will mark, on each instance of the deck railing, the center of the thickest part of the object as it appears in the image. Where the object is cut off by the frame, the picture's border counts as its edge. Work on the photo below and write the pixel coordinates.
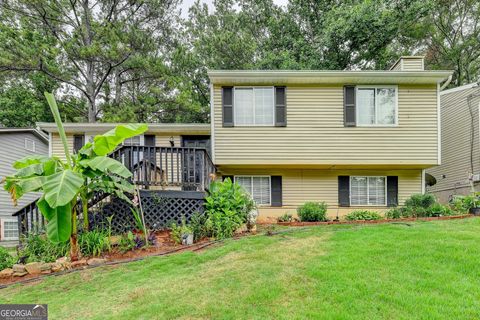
(189, 169)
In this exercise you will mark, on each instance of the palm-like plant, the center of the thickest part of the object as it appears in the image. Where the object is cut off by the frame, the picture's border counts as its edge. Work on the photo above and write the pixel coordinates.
(63, 182)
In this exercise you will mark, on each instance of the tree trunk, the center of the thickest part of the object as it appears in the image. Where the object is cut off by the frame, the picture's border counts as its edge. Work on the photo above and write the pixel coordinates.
(74, 252)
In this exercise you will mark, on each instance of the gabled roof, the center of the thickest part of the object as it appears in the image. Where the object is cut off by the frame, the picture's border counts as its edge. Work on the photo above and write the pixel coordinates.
(271, 77)
(168, 128)
(34, 131)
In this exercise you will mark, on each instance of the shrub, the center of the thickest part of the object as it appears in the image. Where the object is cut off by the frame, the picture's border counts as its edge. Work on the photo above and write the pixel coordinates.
(94, 243)
(197, 223)
(312, 211)
(420, 201)
(179, 230)
(439, 210)
(6, 259)
(394, 213)
(363, 215)
(463, 204)
(37, 247)
(127, 242)
(287, 217)
(226, 208)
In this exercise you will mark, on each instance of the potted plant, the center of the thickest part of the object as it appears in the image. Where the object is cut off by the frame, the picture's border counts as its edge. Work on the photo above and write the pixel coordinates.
(472, 202)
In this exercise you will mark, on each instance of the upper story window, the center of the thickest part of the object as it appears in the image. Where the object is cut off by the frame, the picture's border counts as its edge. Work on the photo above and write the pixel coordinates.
(29, 145)
(376, 105)
(254, 106)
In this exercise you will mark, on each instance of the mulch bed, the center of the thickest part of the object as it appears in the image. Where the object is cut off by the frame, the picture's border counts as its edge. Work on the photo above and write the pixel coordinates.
(164, 246)
(302, 224)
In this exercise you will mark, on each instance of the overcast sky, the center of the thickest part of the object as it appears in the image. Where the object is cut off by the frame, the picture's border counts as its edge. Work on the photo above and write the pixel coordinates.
(188, 3)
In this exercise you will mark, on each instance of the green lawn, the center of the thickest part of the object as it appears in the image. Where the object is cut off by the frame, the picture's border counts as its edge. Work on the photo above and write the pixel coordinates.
(428, 270)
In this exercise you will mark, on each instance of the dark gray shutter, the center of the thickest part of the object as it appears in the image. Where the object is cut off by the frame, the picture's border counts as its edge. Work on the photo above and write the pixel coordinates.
(227, 106)
(225, 177)
(280, 107)
(344, 191)
(78, 142)
(149, 140)
(349, 106)
(392, 191)
(276, 190)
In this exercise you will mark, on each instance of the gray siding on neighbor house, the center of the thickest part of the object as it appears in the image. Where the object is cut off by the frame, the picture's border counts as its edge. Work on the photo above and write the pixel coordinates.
(12, 149)
(460, 143)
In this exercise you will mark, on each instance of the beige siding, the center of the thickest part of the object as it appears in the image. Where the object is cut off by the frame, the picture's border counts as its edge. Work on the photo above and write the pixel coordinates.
(57, 146)
(458, 129)
(315, 133)
(160, 141)
(300, 186)
(412, 64)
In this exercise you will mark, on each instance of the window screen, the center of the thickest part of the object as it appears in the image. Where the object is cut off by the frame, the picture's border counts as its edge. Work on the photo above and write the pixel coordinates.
(253, 106)
(257, 187)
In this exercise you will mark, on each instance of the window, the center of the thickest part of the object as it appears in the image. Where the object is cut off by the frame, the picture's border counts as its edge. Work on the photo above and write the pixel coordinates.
(29, 145)
(377, 105)
(9, 229)
(368, 191)
(253, 106)
(257, 186)
(133, 141)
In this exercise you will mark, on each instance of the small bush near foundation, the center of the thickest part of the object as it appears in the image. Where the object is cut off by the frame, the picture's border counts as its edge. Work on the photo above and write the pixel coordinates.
(313, 211)
(394, 213)
(420, 201)
(439, 210)
(287, 217)
(363, 215)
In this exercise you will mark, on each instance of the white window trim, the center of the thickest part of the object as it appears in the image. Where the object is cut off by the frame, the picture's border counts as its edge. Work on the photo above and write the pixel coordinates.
(3, 229)
(33, 144)
(395, 124)
(254, 125)
(258, 176)
(368, 195)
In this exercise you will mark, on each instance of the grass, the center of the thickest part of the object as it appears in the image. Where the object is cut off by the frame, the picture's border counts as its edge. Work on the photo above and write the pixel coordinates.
(428, 270)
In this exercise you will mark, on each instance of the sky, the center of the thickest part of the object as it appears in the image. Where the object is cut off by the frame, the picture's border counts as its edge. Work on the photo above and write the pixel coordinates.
(188, 3)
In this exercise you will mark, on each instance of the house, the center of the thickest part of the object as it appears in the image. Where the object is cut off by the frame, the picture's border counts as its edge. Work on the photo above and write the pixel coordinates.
(354, 139)
(16, 143)
(459, 171)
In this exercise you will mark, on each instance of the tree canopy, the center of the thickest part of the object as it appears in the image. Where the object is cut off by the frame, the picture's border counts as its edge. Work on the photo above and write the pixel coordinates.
(144, 61)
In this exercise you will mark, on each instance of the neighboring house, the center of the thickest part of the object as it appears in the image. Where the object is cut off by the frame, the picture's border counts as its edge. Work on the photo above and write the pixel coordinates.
(460, 168)
(354, 139)
(16, 143)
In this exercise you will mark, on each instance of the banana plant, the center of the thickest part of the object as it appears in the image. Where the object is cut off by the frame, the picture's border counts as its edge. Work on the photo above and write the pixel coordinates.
(64, 181)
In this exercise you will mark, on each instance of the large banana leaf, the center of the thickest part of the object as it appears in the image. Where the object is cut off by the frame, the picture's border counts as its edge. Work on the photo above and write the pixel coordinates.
(106, 143)
(105, 164)
(59, 220)
(60, 188)
(29, 160)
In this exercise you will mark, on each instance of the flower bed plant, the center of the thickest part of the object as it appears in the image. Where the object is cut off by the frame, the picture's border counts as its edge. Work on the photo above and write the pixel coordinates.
(363, 215)
(313, 211)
